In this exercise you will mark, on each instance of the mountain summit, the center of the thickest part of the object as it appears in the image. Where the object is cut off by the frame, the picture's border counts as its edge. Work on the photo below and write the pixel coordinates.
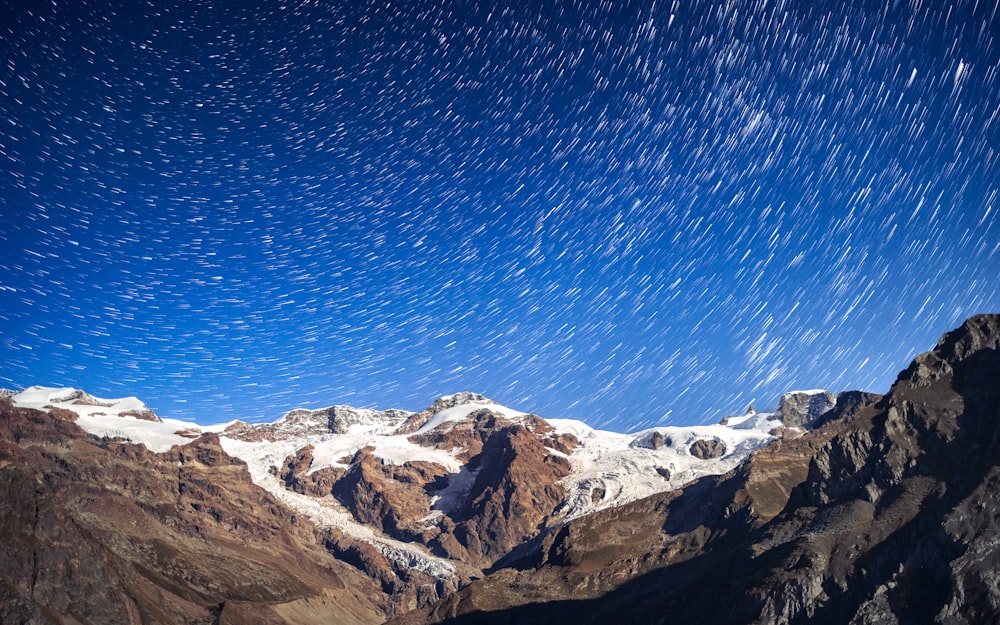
(850, 508)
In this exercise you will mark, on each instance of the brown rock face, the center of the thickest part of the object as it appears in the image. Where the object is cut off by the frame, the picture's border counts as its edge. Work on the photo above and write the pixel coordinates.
(408, 587)
(707, 448)
(393, 498)
(103, 532)
(886, 514)
(296, 477)
(505, 494)
(797, 409)
(514, 494)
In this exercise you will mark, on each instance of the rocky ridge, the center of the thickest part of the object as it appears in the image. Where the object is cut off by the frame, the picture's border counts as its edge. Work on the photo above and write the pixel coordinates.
(306, 422)
(886, 513)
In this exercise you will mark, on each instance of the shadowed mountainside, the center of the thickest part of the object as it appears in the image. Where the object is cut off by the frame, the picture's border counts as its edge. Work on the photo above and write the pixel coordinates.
(886, 514)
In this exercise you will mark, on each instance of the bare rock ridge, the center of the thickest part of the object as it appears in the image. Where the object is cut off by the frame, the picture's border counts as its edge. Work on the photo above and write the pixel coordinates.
(304, 422)
(887, 513)
(805, 407)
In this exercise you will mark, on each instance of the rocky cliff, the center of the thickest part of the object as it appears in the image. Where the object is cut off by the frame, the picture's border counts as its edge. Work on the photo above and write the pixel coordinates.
(886, 514)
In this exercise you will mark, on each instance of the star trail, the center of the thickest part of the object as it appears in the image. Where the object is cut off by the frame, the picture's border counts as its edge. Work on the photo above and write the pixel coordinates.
(626, 213)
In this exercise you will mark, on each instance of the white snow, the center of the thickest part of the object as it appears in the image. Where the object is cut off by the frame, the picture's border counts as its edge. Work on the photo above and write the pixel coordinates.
(41, 397)
(449, 498)
(110, 418)
(156, 436)
(392, 449)
(622, 466)
(462, 411)
(626, 469)
(812, 391)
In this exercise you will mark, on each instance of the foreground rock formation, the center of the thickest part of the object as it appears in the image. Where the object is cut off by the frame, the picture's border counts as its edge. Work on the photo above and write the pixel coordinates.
(886, 514)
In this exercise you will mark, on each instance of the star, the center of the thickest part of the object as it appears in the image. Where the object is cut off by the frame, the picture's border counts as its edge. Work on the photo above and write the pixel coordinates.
(632, 214)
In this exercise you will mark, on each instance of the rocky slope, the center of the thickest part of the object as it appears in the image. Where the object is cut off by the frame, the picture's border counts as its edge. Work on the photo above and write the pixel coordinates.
(855, 508)
(418, 504)
(95, 530)
(887, 513)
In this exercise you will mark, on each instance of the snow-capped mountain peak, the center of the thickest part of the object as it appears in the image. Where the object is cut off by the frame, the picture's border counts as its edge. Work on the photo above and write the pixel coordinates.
(418, 420)
(325, 462)
(82, 403)
(304, 422)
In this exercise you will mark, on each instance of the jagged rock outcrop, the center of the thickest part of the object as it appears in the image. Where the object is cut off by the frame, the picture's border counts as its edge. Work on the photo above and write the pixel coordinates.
(407, 586)
(652, 440)
(394, 498)
(505, 493)
(302, 422)
(848, 404)
(707, 448)
(885, 514)
(99, 531)
(802, 408)
(656, 441)
(297, 477)
(515, 493)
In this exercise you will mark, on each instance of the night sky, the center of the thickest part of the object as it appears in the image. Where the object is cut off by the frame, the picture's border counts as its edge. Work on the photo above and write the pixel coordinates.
(626, 213)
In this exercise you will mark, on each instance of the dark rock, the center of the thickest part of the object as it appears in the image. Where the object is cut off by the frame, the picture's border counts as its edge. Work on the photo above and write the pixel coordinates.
(656, 440)
(885, 514)
(652, 440)
(390, 497)
(707, 449)
(297, 478)
(564, 443)
(800, 409)
(848, 404)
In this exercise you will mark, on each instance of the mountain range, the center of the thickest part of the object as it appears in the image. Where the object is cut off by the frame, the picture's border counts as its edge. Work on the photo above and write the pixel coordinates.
(854, 508)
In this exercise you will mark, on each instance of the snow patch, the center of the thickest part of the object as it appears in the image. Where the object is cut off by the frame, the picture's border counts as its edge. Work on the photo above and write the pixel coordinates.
(462, 412)
(327, 511)
(330, 451)
(44, 397)
(114, 418)
(610, 469)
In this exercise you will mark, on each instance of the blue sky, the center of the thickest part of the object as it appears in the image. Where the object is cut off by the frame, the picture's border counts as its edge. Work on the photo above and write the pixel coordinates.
(630, 215)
